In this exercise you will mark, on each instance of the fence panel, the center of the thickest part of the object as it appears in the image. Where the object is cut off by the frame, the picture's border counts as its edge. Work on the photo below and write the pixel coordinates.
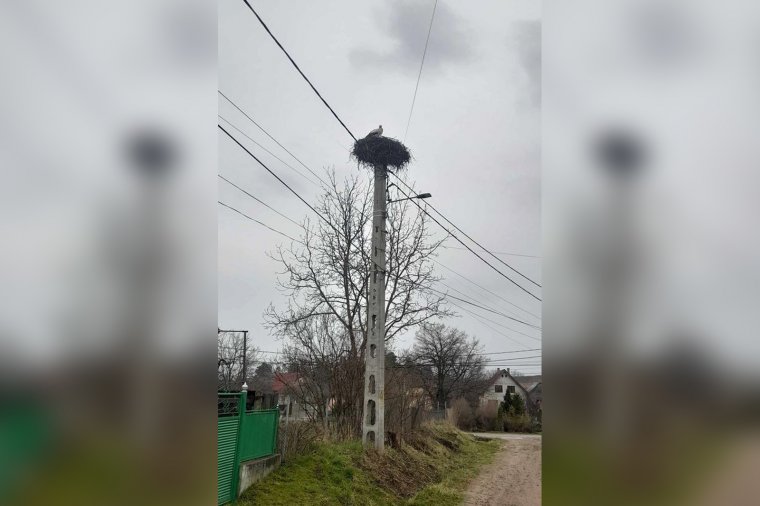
(258, 434)
(228, 432)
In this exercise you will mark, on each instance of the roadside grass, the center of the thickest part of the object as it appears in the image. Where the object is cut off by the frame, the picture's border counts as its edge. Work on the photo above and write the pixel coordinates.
(432, 468)
(458, 472)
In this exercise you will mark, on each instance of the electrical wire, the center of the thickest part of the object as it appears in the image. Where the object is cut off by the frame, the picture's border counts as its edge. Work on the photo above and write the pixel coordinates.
(265, 149)
(298, 68)
(257, 221)
(278, 178)
(479, 316)
(258, 200)
(484, 308)
(270, 136)
(496, 252)
(484, 288)
(465, 245)
(419, 75)
(467, 295)
(227, 347)
(470, 238)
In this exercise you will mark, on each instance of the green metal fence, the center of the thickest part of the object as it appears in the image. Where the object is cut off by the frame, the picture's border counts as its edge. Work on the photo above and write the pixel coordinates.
(241, 435)
(258, 437)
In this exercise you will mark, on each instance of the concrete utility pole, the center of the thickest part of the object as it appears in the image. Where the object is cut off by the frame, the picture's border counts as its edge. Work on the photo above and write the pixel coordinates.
(373, 423)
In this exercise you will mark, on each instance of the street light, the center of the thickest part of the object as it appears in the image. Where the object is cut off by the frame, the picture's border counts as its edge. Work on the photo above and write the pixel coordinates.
(420, 196)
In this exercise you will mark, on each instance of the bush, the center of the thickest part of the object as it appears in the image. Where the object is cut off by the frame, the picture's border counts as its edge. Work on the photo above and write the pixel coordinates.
(297, 438)
(513, 416)
(486, 417)
(518, 423)
(461, 414)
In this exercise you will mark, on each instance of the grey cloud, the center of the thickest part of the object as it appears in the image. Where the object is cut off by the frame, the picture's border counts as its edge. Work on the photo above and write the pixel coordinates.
(407, 24)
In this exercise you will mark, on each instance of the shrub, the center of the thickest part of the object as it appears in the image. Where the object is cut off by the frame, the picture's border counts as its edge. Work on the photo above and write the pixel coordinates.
(513, 416)
(518, 423)
(461, 414)
(486, 417)
(297, 438)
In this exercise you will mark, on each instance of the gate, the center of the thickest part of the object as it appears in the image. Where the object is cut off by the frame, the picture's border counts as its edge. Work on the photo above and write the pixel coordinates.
(241, 435)
(258, 434)
(229, 409)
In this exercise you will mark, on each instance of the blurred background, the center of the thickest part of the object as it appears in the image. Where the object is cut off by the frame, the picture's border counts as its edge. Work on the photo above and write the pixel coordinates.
(108, 261)
(650, 202)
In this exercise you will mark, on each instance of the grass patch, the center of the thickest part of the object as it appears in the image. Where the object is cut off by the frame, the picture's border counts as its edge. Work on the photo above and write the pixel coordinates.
(432, 467)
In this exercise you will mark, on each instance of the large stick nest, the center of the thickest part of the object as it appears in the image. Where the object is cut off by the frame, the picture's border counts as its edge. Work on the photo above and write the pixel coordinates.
(384, 151)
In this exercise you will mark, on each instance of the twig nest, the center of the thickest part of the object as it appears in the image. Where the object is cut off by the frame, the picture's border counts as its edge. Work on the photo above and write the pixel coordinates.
(378, 150)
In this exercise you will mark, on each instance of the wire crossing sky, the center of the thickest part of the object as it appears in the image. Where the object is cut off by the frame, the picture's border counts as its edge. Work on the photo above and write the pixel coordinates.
(419, 75)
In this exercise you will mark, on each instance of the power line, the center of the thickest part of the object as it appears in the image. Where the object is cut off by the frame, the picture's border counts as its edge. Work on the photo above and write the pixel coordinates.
(257, 221)
(497, 331)
(317, 361)
(513, 351)
(265, 149)
(419, 75)
(473, 240)
(298, 68)
(497, 252)
(269, 135)
(465, 294)
(484, 308)
(465, 245)
(485, 289)
(480, 354)
(258, 200)
(482, 319)
(502, 359)
(277, 177)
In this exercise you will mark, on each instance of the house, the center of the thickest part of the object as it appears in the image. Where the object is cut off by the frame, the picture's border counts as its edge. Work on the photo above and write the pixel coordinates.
(528, 387)
(290, 408)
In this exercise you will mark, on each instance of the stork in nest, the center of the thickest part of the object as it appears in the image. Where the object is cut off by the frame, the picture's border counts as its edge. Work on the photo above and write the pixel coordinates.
(377, 132)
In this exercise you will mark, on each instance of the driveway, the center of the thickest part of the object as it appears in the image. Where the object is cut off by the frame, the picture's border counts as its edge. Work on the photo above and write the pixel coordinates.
(508, 436)
(513, 478)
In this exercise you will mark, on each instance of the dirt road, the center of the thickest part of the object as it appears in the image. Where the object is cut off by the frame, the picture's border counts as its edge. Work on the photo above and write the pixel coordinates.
(513, 478)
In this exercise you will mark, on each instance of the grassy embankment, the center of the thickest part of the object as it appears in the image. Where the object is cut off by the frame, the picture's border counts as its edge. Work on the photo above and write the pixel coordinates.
(431, 468)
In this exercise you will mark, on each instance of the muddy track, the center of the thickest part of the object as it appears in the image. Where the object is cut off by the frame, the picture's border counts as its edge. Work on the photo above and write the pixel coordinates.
(513, 478)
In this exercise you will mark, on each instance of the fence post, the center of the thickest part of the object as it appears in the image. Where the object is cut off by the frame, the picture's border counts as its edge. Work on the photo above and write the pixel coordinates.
(241, 422)
(275, 431)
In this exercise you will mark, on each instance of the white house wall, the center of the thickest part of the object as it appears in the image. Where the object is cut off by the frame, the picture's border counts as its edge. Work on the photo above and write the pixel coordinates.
(504, 380)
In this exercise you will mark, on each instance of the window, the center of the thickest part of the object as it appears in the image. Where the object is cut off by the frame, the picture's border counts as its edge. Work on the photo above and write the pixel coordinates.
(510, 389)
(498, 388)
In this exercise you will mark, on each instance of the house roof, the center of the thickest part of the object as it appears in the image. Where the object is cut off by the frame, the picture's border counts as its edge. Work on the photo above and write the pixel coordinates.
(282, 380)
(497, 374)
(528, 382)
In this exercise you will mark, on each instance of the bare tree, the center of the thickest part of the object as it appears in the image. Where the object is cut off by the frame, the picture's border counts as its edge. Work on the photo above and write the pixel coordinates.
(326, 278)
(314, 350)
(450, 364)
(406, 402)
(229, 355)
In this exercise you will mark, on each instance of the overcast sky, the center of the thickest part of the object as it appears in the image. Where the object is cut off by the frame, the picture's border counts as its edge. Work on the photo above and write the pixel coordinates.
(474, 135)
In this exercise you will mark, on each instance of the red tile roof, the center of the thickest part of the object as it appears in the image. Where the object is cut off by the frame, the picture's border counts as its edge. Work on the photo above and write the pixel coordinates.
(282, 380)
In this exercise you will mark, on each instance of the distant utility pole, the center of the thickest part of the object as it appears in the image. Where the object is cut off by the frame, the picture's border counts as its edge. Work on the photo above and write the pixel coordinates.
(245, 351)
(245, 358)
(373, 423)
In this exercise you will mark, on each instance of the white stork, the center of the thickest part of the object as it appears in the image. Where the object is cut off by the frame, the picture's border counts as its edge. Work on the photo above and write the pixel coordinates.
(376, 132)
